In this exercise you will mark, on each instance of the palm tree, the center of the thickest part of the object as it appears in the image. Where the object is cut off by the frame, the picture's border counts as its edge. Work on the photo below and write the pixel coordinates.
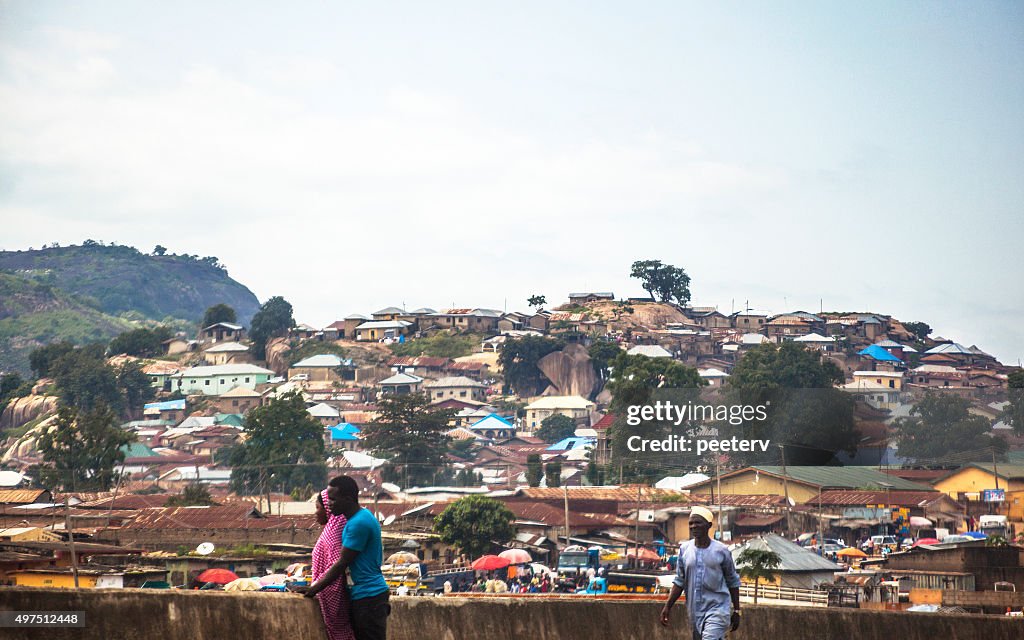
(757, 564)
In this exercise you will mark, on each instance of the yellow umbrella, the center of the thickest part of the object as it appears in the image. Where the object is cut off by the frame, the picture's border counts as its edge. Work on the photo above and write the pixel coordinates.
(851, 552)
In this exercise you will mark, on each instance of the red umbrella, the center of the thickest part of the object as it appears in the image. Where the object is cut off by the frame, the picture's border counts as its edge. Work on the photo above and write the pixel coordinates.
(926, 541)
(645, 554)
(516, 556)
(490, 563)
(217, 576)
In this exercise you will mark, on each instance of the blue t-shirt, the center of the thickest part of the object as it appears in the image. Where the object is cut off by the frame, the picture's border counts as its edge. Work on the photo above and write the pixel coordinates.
(362, 534)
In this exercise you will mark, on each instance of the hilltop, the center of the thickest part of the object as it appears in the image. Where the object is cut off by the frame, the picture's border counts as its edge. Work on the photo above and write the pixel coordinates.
(93, 292)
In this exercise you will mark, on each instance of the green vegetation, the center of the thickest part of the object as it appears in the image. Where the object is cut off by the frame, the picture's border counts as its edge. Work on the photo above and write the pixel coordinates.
(534, 470)
(441, 345)
(555, 428)
(142, 343)
(941, 424)
(409, 432)
(82, 449)
(757, 565)
(284, 449)
(553, 474)
(274, 319)
(518, 360)
(474, 523)
(537, 301)
(218, 313)
(662, 281)
(1014, 412)
(195, 494)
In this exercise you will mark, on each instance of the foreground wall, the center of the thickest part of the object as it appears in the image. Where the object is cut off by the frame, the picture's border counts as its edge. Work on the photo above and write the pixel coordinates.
(177, 615)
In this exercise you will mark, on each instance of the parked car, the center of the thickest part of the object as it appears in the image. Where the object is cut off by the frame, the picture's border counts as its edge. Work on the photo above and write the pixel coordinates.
(879, 542)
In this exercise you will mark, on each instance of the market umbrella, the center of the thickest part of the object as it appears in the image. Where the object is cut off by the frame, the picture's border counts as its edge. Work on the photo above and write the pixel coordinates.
(977, 535)
(402, 557)
(217, 576)
(272, 579)
(516, 556)
(243, 584)
(926, 541)
(851, 552)
(490, 563)
(918, 521)
(804, 537)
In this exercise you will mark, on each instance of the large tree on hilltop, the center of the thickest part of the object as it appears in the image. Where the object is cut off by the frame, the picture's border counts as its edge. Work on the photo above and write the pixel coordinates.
(662, 281)
(283, 449)
(219, 313)
(272, 320)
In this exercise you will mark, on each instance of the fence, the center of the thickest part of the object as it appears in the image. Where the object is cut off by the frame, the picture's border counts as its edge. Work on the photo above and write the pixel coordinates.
(774, 592)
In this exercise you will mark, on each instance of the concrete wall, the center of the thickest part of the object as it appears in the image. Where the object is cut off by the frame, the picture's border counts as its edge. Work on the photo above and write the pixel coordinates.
(113, 614)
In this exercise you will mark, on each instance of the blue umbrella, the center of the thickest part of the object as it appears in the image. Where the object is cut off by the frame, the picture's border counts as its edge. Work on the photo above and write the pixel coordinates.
(977, 535)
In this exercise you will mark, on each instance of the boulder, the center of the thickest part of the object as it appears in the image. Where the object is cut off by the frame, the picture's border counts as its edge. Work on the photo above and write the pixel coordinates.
(570, 372)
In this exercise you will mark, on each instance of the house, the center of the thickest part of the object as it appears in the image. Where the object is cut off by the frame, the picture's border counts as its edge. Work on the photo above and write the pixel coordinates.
(389, 313)
(377, 330)
(791, 325)
(714, 377)
(343, 435)
(493, 427)
(401, 384)
(25, 496)
(748, 322)
(227, 353)
(214, 381)
(470, 368)
(238, 400)
(799, 567)
(324, 413)
(713, 319)
(325, 367)
(334, 331)
(802, 483)
(458, 387)
(880, 357)
(172, 411)
(857, 509)
(512, 321)
(176, 345)
(303, 331)
(816, 341)
(179, 477)
(969, 481)
(588, 296)
(574, 407)
(160, 374)
(888, 379)
(650, 351)
(350, 323)
(418, 365)
(476, 320)
(220, 332)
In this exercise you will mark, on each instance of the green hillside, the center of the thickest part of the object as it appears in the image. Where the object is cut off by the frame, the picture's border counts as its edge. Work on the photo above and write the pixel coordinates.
(121, 280)
(93, 292)
(33, 314)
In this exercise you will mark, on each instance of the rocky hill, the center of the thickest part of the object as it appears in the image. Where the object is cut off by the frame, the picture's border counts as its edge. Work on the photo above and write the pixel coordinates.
(93, 292)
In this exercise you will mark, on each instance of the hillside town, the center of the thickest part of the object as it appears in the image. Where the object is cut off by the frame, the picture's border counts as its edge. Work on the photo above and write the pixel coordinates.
(868, 525)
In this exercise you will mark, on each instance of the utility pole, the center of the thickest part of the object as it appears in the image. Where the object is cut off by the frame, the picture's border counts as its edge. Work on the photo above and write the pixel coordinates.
(785, 487)
(636, 529)
(71, 539)
(995, 472)
(718, 477)
(565, 495)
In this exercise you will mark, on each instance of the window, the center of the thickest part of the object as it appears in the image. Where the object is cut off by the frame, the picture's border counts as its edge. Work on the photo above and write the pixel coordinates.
(892, 384)
(462, 394)
(222, 380)
(207, 382)
(247, 379)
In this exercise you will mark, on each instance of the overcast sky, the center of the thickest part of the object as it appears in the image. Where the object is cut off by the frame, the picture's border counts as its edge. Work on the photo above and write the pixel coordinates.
(355, 155)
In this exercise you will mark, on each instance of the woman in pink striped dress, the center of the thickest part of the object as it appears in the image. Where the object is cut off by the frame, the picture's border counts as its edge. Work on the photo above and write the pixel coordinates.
(334, 603)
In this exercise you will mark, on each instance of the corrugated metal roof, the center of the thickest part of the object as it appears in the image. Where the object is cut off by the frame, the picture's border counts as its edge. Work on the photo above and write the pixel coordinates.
(22, 496)
(794, 557)
(862, 498)
(842, 477)
(417, 361)
(241, 516)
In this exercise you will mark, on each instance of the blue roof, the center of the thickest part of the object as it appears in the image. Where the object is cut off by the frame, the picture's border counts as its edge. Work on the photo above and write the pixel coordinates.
(570, 443)
(169, 405)
(493, 421)
(344, 431)
(878, 353)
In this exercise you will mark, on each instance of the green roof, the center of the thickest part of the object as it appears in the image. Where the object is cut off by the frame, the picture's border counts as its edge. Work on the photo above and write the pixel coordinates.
(845, 477)
(138, 450)
(232, 419)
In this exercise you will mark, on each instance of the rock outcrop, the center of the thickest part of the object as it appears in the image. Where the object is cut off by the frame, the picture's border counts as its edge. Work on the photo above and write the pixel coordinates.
(277, 355)
(24, 410)
(570, 372)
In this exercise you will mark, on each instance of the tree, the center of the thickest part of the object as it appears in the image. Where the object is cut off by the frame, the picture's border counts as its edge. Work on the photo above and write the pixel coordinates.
(135, 385)
(602, 353)
(474, 523)
(11, 387)
(553, 474)
(41, 360)
(518, 360)
(662, 281)
(160, 250)
(555, 428)
(1014, 412)
(919, 329)
(85, 381)
(758, 564)
(803, 410)
(537, 301)
(534, 470)
(142, 342)
(219, 313)
(272, 320)
(283, 449)
(82, 448)
(942, 424)
(410, 433)
(195, 494)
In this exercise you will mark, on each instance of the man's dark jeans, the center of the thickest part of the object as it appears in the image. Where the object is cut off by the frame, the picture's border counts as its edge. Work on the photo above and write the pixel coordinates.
(370, 617)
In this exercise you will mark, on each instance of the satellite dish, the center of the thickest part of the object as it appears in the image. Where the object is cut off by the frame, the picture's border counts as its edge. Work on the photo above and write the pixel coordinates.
(205, 549)
(388, 520)
(390, 486)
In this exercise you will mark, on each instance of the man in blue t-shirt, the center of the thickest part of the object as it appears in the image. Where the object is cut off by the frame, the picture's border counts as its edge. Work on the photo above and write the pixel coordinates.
(361, 554)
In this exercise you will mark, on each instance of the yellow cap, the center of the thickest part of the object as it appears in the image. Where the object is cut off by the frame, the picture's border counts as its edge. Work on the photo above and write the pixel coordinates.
(703, 512)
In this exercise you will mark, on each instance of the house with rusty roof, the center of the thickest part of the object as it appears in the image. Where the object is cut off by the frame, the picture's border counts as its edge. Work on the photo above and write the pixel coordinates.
(25, 496)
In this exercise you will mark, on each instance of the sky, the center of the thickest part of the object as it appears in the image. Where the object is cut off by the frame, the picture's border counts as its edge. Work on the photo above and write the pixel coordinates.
(350, 155)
